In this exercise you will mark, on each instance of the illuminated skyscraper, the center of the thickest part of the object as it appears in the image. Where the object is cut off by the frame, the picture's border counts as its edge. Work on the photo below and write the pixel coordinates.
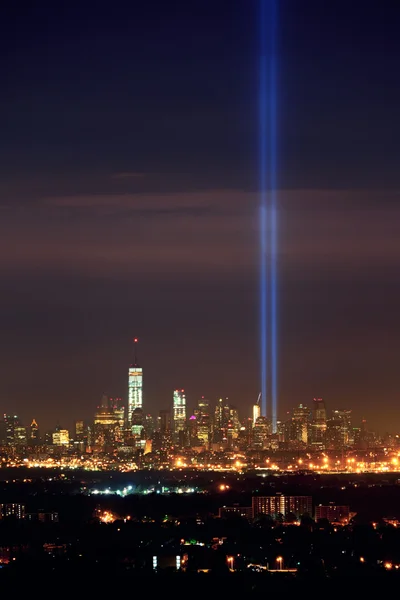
(105, 426)
(256, 412)
(203, 421)
(261, 432)
(179, 411)
(221, 420)
(61, 437)
(11, 423)
(135, 386)
(79, 430)
(301, 421)
(338, 430)
(318, 425)
(34, 432)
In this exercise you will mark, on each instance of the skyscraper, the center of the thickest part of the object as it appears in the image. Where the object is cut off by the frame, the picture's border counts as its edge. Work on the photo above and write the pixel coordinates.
(179, 412)
(256, 412)
(300, 421)
(318, 426)
(135, 386)
(221, 420)
(34, 432)
(203, 421)
(338, 430)
(104, 426)
(13, 425)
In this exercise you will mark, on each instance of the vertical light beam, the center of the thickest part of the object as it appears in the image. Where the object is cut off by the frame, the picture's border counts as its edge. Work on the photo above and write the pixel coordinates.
(263, 207)
(268, 207)
(273, 215)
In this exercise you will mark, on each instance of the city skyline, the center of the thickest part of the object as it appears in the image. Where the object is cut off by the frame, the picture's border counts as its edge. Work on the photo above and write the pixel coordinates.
(181, 410)
(135, 398)
(130, 199)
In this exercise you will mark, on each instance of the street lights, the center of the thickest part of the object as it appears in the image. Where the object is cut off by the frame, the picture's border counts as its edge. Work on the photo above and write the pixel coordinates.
(230, 562)
(279, 560)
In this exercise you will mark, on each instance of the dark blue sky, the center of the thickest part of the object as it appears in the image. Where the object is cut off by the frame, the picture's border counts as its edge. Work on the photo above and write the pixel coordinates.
(128, 198)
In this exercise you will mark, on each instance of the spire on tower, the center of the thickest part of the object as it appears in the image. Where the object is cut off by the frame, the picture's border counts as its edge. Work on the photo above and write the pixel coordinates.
(135, 343)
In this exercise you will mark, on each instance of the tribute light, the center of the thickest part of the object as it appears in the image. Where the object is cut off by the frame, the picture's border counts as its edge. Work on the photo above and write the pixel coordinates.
(268, 206)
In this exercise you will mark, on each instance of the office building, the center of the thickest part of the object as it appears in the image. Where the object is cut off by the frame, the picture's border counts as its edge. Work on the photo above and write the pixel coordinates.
(261, 431)
(34, 432)
(179, 413)
(79, 431)
(106, 427)
(12, 425)
(20, 436)
(256, 412)
(135, 386)
(221, 421)
(203, 422)
(300, 424)
(318, 425)
(60, 437)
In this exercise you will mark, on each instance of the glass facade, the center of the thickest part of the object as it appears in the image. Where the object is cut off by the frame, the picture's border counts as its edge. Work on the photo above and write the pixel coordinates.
(179, 407)
(135, 393)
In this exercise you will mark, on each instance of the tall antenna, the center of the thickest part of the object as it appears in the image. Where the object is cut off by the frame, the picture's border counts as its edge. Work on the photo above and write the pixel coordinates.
(258, 399)
(135, 343)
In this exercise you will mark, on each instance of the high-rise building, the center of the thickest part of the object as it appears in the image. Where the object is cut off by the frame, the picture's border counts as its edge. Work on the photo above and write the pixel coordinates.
(234, 419)
(137, 424)
(193, 440)
(118, 409)
(221, 421)
(300, 424)
(165, 421)
(34, 432)
(149, 425)
(105, 426)
(256, 412)
(344, 416)
(135, 386)
(12, 423)
(179, 412)
(333, 437)
(261, 431)
(79, 431)
(20, 437)
(203, 421)
(162, 438)
(318, 425)
(61, 437)
(282, 505)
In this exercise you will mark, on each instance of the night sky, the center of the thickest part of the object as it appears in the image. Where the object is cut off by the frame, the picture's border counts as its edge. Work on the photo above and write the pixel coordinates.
(129, 195)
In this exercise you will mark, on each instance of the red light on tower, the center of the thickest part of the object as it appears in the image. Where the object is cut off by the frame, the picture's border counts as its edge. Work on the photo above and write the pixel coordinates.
(135, 340)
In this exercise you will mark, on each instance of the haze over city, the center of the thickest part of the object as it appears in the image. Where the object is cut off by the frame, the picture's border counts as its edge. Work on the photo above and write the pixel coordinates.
(129, 206)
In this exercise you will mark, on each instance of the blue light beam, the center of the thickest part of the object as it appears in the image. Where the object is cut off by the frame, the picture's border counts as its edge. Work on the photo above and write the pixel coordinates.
(273, 217)
(268, 208)
(263, 153)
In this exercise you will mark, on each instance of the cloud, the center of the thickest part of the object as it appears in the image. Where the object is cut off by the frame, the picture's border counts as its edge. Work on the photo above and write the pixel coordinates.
(209, 234)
